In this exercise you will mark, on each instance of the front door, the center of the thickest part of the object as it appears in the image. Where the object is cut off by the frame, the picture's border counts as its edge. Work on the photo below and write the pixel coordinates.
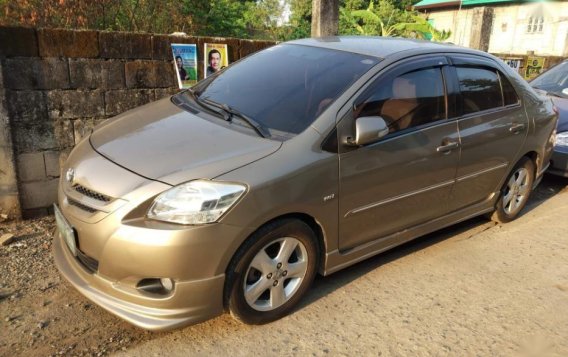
(405, 178)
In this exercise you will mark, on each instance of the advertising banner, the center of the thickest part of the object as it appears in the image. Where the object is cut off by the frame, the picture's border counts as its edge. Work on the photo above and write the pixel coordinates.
(216, 58)
(514, 63)
(534, 67)
(185, 61)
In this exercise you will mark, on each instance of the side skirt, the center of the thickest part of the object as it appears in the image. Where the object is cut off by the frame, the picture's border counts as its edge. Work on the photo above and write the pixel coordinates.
(337, 260)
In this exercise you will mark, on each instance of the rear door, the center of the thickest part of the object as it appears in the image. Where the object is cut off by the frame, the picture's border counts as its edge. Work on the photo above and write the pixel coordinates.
(492, 126)
(404, 179)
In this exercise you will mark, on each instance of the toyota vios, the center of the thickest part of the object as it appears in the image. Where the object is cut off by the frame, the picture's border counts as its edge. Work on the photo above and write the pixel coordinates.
(301, 159)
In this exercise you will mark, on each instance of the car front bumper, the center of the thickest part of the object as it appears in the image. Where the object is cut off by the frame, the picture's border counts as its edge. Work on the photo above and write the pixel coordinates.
(117, 249)
(202, 299)
(559, 161)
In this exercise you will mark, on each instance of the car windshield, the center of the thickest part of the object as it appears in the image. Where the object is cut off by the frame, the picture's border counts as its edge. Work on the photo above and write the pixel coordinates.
(554, 81)
(285, 87)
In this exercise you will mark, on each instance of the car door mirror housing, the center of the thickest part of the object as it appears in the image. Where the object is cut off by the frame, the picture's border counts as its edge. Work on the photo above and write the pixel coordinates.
(368, 130)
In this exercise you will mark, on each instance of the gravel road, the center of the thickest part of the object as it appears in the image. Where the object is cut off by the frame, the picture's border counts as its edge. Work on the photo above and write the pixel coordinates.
(475, 289)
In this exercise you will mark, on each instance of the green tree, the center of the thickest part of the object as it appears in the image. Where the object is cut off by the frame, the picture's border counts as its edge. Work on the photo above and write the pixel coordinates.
(262, 19)
(387, 19)
(352, 5)
(381, 20)
(224, 18)
(422, 29)
(300, 21)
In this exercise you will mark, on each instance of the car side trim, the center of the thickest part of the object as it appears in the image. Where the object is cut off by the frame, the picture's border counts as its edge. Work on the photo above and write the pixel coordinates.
(392, 199)
(541, 172)
(338, 260)
(426, 189)
(475, 174)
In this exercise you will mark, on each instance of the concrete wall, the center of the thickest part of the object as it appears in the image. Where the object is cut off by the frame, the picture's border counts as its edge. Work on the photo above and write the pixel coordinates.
(58, 84)
(9, 202)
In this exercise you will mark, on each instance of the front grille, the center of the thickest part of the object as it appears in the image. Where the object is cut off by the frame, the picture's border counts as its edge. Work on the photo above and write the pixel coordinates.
(91, 264)
(92, 194)
(79, 205)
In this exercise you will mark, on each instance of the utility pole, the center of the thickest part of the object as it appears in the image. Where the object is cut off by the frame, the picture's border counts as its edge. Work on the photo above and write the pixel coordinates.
(325, 18)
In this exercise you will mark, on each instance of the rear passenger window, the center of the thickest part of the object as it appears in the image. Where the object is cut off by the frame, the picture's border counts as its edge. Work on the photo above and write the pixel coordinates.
(509, 94)
(406, 101)
(480, 89)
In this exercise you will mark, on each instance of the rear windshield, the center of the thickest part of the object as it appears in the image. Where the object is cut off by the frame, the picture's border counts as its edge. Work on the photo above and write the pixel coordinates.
(286, 87)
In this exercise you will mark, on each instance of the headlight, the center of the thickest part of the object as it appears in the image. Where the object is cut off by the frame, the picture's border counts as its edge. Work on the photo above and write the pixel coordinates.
(562, 139)
(195, 202)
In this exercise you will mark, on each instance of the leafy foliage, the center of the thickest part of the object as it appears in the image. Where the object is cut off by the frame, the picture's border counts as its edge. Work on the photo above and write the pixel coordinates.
(261, 19)
(236, 18)
(300, 18)
(387, 19)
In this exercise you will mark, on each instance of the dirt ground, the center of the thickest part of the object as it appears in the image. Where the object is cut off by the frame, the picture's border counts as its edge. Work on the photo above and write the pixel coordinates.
(475, 289)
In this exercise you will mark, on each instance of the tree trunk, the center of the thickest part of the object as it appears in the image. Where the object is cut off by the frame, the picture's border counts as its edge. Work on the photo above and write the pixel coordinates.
(325, 18)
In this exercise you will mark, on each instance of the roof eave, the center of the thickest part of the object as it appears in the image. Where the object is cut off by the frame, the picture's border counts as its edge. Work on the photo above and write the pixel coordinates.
(438, 5)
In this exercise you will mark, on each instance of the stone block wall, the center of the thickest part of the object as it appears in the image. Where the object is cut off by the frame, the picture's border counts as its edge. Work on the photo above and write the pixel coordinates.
(56, 85)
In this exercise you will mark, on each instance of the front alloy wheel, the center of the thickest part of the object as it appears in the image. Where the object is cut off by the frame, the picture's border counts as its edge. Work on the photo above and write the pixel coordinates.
(271, 272)
(275, 274)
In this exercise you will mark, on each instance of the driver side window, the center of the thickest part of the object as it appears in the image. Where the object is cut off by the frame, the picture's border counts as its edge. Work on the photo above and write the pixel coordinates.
(408, 100)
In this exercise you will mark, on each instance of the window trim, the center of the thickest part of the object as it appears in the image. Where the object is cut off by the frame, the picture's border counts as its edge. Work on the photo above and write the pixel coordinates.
(344, 116)
(410, 65)
(501, 77)
(491, 70)
(463, 60)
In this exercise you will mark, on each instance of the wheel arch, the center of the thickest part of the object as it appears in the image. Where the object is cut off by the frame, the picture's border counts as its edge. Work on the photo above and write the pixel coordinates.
(317, 228)
(309, 220)
(535, 158)
(314, 225)
(531, 155)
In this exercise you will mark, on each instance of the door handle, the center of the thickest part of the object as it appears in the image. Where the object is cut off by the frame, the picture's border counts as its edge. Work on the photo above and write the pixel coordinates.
(516, 128)
(446, 148)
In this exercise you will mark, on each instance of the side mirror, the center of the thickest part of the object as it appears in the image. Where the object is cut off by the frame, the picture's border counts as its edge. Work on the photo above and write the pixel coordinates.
(368, 130)
(565, 91)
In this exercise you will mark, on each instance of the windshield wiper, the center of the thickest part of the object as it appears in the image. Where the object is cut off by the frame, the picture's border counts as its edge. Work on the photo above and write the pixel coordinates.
(209, 106)
(258, 127)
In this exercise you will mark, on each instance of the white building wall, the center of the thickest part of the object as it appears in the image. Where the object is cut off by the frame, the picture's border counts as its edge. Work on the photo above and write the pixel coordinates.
(458, 21)
(509, 33)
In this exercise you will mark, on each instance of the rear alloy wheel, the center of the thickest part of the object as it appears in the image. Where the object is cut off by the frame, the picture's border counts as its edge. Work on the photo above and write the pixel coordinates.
(515, 192)
(272, 271)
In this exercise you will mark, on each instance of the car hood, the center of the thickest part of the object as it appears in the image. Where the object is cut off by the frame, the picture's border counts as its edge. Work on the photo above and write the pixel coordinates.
(562, 105)
(163, 142)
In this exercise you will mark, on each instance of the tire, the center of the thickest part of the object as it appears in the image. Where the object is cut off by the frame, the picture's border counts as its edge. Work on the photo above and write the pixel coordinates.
(271, 272)
(515, 192)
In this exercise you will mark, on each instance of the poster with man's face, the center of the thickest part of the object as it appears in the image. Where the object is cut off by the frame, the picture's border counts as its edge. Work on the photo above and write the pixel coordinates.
(216, 58)
(185, 61)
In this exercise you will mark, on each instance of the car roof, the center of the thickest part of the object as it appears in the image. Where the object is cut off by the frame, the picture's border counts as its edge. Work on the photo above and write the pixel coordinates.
(375, 46)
